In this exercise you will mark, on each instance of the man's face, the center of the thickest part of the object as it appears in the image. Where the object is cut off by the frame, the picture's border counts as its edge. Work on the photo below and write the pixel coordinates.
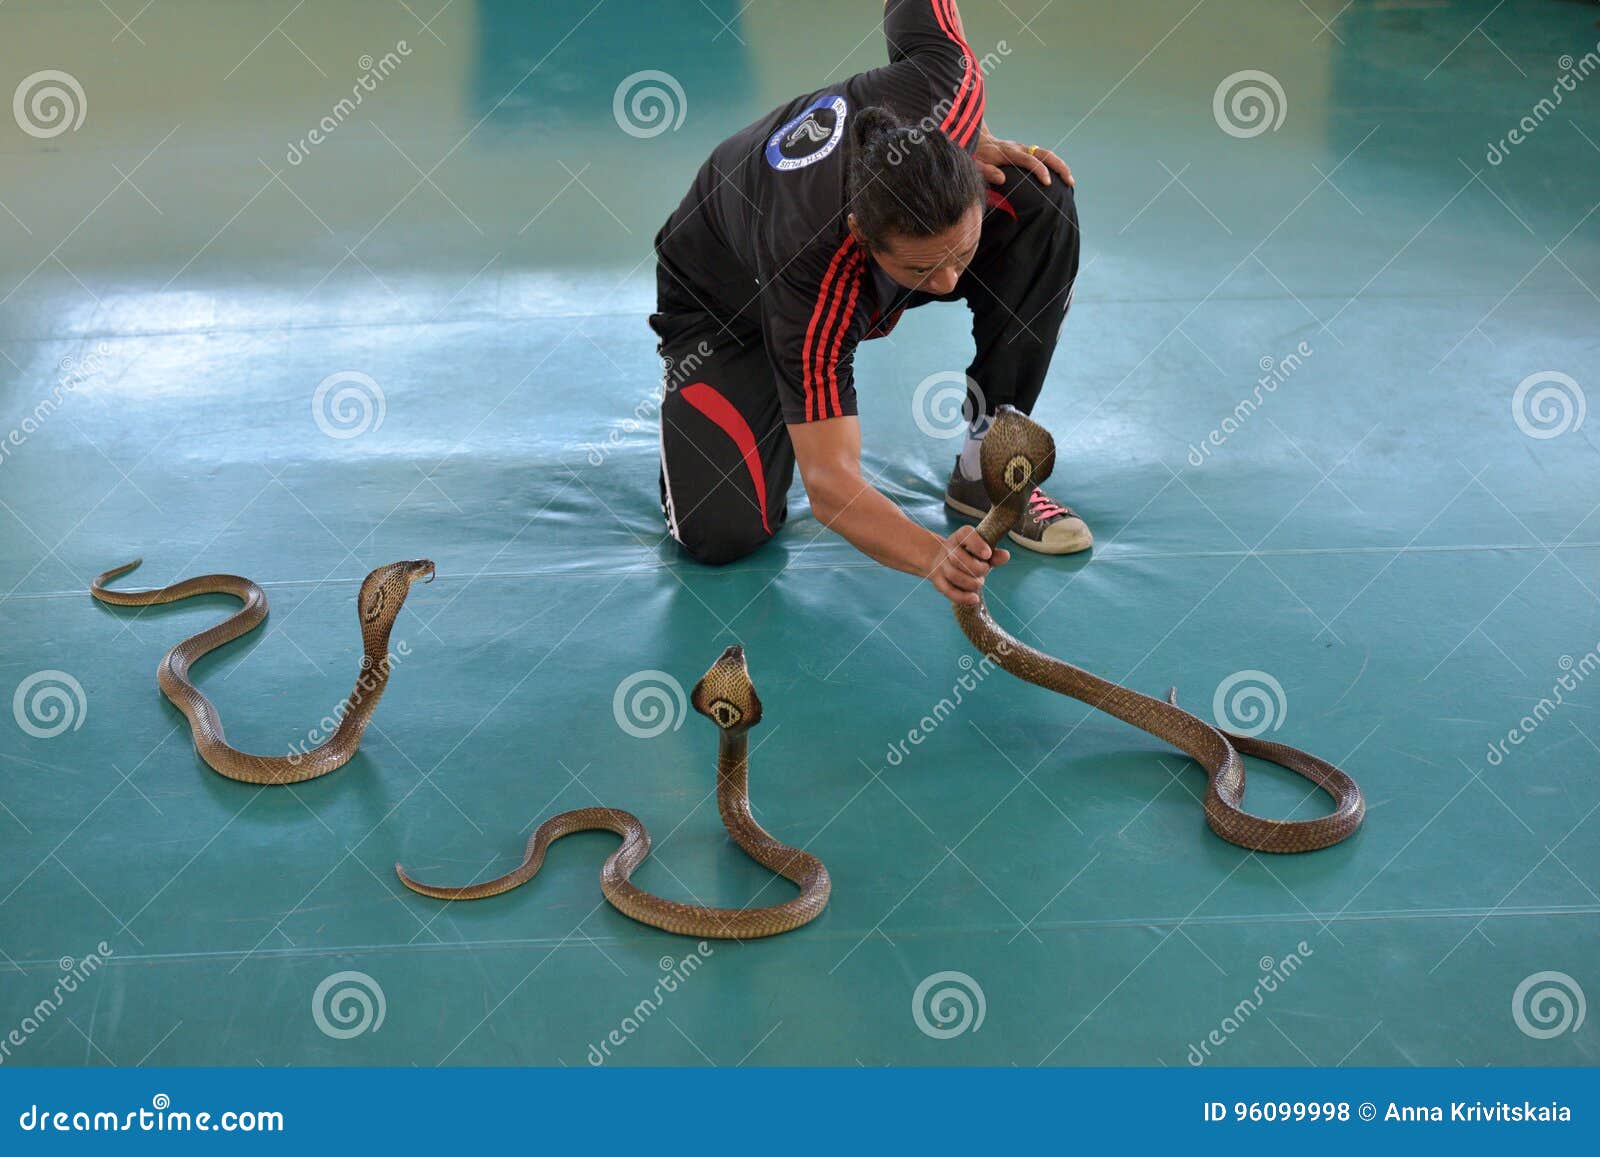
(932, 264)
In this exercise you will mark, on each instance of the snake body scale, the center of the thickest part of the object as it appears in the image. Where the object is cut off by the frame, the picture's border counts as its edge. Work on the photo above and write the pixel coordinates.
(382, 594)
(1018, 455)
(727, 697)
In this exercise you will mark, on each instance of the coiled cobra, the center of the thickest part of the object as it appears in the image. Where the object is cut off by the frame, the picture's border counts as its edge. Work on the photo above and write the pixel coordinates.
(728, 698)
(1018, 455)
(383, 592)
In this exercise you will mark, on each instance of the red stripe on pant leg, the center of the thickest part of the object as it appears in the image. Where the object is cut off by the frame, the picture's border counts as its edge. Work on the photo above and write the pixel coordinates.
(713, 405)
(963, 133)
(951, 29)
(966, 134)
(998, 200)
(972, 117)
(966, 114)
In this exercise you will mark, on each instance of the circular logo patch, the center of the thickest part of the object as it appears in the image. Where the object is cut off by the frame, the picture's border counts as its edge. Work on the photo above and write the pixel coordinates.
(809, 137)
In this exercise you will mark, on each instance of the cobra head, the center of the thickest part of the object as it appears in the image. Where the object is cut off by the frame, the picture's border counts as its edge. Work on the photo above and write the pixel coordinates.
(725, 694)
(386, 588)
(1018, 454)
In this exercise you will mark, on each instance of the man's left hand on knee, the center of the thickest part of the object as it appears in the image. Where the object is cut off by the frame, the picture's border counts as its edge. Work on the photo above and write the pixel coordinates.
(992, 152)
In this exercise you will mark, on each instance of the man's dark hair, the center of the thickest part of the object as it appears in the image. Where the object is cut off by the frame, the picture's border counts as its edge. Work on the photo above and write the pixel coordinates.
(905, 180)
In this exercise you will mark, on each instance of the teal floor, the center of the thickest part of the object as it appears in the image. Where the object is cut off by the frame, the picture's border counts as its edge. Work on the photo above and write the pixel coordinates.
(1380, 537)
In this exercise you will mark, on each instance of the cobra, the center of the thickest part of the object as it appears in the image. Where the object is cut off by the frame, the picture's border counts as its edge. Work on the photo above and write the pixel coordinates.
(1018, 455)
(383, 593)
(809, 129)
(727, 697)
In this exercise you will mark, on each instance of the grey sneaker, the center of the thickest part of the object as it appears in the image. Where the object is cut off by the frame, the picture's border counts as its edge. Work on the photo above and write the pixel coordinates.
(1046, 526)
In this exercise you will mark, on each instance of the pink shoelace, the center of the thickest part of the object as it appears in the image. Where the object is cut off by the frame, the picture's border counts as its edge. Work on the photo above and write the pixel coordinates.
(1043, 508)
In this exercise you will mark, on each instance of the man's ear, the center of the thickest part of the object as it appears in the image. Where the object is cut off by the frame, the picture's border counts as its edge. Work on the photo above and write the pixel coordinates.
(855, 231)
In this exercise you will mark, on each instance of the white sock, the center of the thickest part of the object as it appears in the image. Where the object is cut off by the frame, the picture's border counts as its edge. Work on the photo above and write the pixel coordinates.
(971, 465)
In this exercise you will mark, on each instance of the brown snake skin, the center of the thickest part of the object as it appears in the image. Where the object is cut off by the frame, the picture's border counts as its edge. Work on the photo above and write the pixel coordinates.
(1018, 454)
(383, 592)
(727, 697)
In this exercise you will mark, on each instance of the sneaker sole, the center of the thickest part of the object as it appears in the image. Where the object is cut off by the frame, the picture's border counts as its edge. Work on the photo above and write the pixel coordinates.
(1071, 546)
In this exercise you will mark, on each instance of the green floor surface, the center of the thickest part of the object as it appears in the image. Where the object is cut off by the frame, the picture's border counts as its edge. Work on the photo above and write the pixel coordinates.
(1381, 537)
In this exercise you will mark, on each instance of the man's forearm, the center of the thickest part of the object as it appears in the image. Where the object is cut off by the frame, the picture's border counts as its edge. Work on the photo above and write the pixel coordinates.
(874, 525)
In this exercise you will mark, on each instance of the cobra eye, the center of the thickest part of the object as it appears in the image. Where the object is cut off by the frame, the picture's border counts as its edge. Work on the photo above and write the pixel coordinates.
(725, 714)
(1018, 471)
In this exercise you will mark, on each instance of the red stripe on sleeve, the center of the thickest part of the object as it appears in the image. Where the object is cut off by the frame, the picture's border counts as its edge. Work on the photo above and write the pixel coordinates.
(819, 368)
(808, 379)
(853, 275)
